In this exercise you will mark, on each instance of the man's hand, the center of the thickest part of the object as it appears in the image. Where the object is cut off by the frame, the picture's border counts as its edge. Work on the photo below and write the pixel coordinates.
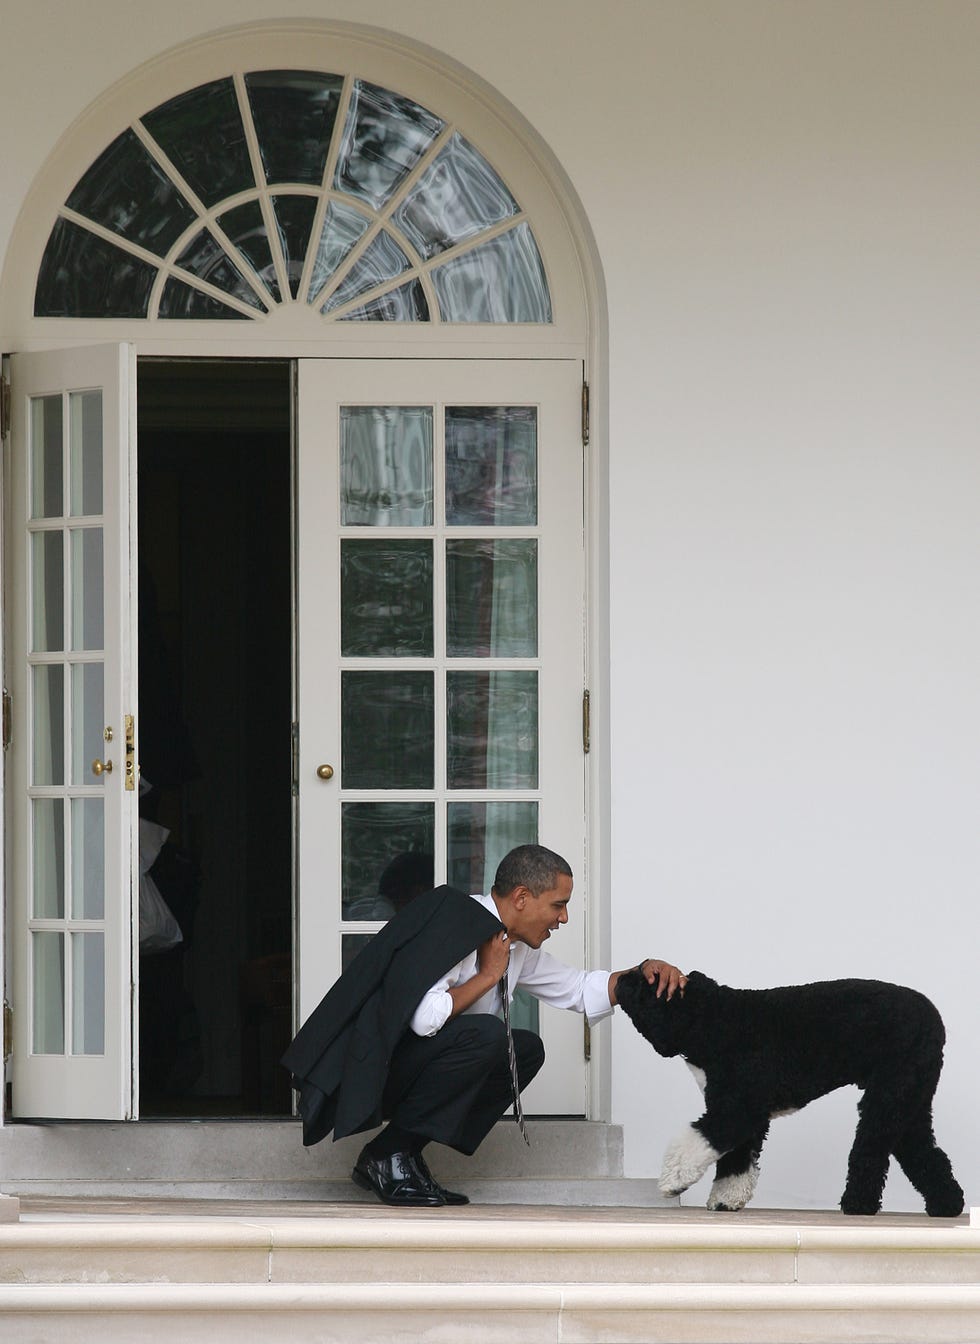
(493, 956)
(668, 978)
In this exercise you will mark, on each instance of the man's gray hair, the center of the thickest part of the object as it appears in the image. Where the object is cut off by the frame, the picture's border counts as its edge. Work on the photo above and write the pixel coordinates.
(530, 866)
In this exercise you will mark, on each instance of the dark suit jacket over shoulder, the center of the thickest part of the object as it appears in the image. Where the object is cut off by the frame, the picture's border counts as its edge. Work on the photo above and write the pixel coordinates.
(340, 1057)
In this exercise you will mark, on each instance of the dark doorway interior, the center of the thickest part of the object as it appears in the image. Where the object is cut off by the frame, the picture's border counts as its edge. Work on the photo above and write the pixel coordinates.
(215, 713)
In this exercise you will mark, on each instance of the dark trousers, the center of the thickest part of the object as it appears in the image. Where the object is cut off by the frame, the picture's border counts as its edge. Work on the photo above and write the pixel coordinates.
(453, 1087)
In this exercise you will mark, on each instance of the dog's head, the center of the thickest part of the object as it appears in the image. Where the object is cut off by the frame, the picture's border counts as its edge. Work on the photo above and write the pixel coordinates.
(670, 1025)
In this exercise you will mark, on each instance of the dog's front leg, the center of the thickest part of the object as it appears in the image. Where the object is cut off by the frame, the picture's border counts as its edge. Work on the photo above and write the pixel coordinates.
(736, 1175)
(686, 1160)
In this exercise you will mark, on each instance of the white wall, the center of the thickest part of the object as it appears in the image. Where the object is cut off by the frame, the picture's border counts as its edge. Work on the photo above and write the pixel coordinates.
(786, 203)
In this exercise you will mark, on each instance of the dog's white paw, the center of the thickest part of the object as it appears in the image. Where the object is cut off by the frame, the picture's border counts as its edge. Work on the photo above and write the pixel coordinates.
(733, 1192)
(686, 1161)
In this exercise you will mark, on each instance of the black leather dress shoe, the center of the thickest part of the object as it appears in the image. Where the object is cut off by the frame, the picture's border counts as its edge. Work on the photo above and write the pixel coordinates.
(396, 1180)
(448, 1196)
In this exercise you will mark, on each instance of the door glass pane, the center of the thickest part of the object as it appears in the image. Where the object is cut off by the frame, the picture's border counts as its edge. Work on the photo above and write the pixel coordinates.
(49, 993)
(49, 724)
(85, 412)
(388, 851)
(386, 598)
(478, 837)
(49, 858)
(294, 113)
(492, 730)
(47, 468)
(88, 993)
(491, 466)
(386, 466)
(502, 280)
(87, 588)
(47, 592)
(492, 598)
(385, 136)
(457, 197)
(88, 858)
(350, 945)
(88, 720)
(388, 730)
(381, 260)
(342, 228)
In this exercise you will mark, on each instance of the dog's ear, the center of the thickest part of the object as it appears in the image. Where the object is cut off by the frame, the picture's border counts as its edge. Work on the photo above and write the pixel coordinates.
(658, 1019)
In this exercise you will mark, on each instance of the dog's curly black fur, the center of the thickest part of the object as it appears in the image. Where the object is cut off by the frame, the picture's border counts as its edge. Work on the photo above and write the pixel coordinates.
(763, 1052)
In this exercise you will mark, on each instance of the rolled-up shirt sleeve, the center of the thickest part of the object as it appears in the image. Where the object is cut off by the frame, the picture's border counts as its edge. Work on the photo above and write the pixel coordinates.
(436, 1005)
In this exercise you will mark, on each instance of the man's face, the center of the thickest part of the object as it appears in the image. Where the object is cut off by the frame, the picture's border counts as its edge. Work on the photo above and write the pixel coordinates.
(537, 917)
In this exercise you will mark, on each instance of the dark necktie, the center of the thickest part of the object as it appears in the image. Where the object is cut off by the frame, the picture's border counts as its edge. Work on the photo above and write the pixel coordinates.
(515, 1082)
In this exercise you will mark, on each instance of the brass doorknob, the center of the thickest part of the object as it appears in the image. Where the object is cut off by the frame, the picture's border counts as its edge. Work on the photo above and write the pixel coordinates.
(100, 768)
(324, 772)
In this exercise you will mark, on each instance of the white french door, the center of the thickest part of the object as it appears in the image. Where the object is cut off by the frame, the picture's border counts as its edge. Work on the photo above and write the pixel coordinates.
(71, 768)
(440, 650)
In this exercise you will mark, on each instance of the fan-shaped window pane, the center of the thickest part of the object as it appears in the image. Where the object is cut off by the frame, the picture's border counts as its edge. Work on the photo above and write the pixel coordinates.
(180, 300)
(245, 227)
(294, 112)
(384, 139)
(405, 304)
(82, 275)
(204, 258)
(294, 218)
(181, 187)
(499, 281)
(457, 197)
(342, 228)
(381, 260)
(128, 192)
(202, 134)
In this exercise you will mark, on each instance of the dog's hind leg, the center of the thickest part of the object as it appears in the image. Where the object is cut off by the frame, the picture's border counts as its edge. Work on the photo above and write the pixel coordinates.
(867, 1165)
(928, 1168)
(736, 1175)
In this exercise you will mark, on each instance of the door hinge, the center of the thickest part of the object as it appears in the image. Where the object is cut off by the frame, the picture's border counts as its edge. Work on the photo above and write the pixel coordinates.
(586, 417)
(587, 1042)
(8, 715)
(294, 759)
(8, 1031)
(586, 722)
(4, 408)
(130, 771)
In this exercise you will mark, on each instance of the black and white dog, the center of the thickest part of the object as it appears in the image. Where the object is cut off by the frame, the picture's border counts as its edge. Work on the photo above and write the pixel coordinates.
(759, 1053)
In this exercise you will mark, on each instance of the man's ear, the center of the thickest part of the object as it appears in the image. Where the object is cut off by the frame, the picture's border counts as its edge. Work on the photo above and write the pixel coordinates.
(519, 896)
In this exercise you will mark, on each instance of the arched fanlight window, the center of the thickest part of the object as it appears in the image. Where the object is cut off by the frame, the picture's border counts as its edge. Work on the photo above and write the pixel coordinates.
(292, 186)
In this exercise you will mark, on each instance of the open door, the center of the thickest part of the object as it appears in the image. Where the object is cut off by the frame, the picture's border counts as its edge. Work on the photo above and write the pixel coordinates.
(72, 778)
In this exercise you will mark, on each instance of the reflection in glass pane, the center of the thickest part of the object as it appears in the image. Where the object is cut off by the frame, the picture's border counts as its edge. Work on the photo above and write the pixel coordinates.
(492, 730)
(127, 191)
(388, 851)
(48, 998)
(88, 993)
(294, 221)
(387, 730)
(47, 592)
(87, 858)
(86, 588)
(386, 466)
(82, 275)
(48, 817)
(350, 945)
(502, 280)
(294, 113)
(204, 258)
(381, 260)
(202, 134)
(492, 598)
(480, 834)
(384, 138)
(88, 721)
(491, 466)
(342, 228)
(245, 227)
(184, 301)
(386, 598)
(407, 303)
(85, 414)
(49, 723)
(47, 476)
(458, 196)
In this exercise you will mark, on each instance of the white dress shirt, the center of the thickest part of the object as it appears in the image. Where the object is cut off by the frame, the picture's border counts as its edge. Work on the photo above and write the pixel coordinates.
(537, 971)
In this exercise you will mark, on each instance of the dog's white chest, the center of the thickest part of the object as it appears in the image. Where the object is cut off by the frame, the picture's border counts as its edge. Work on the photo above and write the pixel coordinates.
(700, 1077)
